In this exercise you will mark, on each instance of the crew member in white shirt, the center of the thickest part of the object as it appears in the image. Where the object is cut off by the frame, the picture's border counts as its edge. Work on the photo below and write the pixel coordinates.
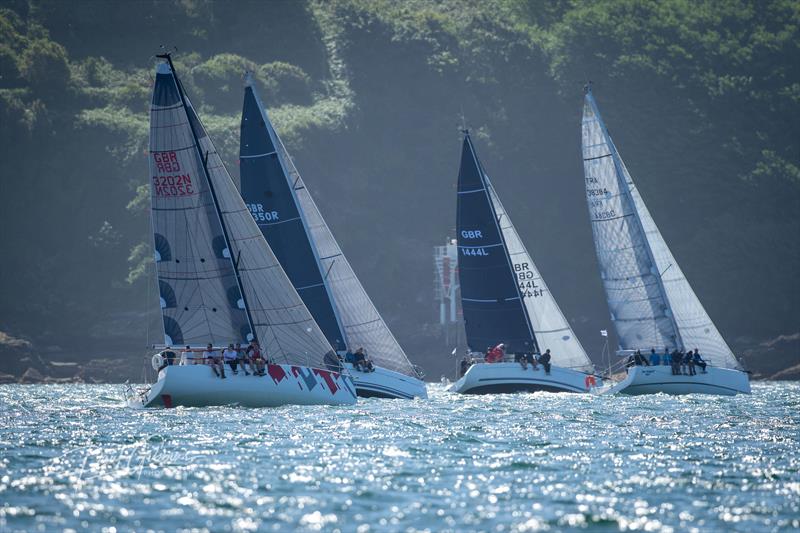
(231, 357)
(212, 358)
(187, 357)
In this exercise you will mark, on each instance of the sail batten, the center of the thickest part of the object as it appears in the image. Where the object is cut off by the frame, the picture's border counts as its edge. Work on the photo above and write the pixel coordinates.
(651, 302)
(305, 245)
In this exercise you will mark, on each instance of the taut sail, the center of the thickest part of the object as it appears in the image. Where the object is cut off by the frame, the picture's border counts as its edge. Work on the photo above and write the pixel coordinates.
(292, 224)
(549, 324)
(219, 281)
(494, 311)
(651, 302)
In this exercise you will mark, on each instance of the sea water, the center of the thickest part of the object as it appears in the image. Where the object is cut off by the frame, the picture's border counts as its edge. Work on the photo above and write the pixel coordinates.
(74, 457)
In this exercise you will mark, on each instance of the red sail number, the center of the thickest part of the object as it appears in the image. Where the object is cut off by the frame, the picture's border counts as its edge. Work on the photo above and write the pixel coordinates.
(171, 183)
(180, 185)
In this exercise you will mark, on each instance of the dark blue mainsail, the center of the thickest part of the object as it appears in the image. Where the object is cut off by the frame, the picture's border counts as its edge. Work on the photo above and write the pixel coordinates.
(270, 195)
(493, 309)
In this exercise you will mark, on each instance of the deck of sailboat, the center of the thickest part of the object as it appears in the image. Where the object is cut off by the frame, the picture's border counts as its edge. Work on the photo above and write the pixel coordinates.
(660, 379)
(510, 377)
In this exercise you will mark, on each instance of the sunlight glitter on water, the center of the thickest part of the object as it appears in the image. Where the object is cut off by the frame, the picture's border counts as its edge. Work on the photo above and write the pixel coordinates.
(75, 457)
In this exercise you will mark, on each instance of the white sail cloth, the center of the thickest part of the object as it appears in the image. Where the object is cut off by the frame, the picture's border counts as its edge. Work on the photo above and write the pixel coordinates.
(695, 326)
(651, 301)
(549, 325)
(280, 320)
(362, 323)
(639, 309)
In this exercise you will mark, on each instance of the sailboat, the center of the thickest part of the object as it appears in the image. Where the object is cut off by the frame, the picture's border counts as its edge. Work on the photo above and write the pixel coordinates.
(286, 214)
(651, 302)
(505, 300)
(219, 282)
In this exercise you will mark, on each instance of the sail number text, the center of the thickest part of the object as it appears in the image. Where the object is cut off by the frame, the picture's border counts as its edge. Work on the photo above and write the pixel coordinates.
(259, 215)
(170, 182)
(472, 234)
(527, 285)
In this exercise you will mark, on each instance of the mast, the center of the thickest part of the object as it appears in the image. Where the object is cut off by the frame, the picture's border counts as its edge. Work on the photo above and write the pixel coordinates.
(626, 190)
(204, 159)
(324, 275)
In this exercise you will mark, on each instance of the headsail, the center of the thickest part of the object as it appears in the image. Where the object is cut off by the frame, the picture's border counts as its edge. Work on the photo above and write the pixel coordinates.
(219, 280)
(695, 326)
(549, 324)
(339, 301)
(626, 235)
(490, 297)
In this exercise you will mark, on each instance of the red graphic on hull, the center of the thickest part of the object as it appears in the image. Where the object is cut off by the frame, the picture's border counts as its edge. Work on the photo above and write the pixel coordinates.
(276, 372)
(167, 399)
(329, 379)
(296, 373)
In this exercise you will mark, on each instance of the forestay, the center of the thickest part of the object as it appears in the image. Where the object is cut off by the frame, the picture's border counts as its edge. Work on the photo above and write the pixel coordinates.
(205, 237)
(490, 297)
(347, 308)
(687, 315)
(549, 324)
(639, 308)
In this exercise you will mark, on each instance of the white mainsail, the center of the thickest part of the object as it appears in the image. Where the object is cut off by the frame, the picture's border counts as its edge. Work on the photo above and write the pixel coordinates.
(639, 309)
(362, 324)
(651, 301)
(223, 281)
(549, 324)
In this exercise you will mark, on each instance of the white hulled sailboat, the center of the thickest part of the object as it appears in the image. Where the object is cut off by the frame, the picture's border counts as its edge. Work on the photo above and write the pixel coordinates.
(651, 302)
(291, 223)
(219, 282)
(505, 300)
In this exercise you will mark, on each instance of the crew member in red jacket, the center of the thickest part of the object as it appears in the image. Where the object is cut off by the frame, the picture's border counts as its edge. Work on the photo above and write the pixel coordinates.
(496, 354)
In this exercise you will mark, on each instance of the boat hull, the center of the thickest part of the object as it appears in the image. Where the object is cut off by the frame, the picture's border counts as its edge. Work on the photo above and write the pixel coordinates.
(496, 378)
(655, 379)
(198, 386)
(384, 383)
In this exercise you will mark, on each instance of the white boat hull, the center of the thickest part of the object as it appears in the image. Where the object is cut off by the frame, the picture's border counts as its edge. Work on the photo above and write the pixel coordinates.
(655, 379)
(493, 378)
(383, 383)
(198, 386)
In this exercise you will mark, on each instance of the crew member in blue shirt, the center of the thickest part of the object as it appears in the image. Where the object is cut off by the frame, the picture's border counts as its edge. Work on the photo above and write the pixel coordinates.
(699, 361)
(655, 360)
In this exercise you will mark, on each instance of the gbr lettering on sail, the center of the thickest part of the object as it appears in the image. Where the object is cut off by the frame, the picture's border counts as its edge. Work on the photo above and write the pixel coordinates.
(472, 250)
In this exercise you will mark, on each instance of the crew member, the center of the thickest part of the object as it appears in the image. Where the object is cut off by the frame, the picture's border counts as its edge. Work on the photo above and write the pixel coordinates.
(545, 360)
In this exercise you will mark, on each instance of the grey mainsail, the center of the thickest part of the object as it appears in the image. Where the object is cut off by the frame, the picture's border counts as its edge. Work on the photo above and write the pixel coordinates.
(341, 301)
(549, 324)
(652, 304)
(219, 280)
